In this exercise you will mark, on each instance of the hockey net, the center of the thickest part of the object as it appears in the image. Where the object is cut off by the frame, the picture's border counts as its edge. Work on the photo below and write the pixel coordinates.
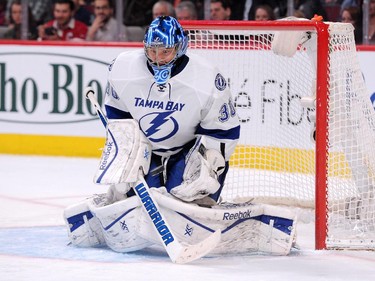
(277, 160)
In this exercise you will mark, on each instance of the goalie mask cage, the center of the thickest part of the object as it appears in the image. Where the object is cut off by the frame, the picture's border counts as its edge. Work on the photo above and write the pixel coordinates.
(277, 160)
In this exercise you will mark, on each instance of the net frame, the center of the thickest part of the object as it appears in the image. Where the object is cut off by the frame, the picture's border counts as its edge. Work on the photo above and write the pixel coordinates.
(322, 101)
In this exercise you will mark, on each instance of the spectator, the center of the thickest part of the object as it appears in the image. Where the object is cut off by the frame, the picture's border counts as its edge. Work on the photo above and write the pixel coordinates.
(15, 20)
(40, 9)
(81, 13)
(353, 15)
(63, 26)
(220, 10)
(186, 10)
(264, 13)
(199, 7)
(104, 26)
(163, 8)
(245, 9)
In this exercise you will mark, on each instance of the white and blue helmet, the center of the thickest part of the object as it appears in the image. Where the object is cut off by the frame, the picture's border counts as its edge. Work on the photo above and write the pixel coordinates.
(165, 32)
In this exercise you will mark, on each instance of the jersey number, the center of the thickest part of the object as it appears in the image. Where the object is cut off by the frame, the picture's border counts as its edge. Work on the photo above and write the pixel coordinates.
(227, 110)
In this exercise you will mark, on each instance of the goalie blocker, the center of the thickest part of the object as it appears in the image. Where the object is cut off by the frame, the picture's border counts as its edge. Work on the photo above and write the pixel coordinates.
(124, 227)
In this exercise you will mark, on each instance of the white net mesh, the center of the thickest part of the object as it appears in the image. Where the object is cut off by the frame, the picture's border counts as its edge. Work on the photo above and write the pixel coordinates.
(351, 138)
(275, 158)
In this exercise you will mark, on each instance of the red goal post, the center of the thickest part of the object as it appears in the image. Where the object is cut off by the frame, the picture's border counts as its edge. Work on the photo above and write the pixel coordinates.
(282, 101)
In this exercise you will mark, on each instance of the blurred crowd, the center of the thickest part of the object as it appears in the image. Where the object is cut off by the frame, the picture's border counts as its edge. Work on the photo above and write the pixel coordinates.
(97, 20)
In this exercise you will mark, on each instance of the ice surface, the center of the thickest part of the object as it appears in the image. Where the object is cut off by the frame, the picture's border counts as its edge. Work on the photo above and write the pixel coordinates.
(33, 241)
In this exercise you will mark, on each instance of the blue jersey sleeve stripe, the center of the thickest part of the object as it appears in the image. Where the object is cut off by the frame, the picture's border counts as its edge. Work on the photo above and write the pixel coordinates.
(231, 134)
(115, 113)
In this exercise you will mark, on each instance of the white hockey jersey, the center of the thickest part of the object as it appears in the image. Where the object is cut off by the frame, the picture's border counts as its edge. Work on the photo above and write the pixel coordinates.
(195, 101)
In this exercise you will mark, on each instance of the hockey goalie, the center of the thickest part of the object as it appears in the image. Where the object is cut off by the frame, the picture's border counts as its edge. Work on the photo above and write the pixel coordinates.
(171, 128)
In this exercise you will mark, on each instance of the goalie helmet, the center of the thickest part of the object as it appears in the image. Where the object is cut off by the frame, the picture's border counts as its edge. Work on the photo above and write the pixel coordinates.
(165, 41)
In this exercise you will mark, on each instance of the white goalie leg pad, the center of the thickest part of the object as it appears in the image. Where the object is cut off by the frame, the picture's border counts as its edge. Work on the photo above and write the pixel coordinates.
(126, 151)
(120, 223)
(84, 229)
(245, 227)
(203, 166)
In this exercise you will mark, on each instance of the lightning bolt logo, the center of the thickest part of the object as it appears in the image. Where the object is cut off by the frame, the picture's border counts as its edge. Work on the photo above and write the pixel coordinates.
(158, 121)
(158, 124)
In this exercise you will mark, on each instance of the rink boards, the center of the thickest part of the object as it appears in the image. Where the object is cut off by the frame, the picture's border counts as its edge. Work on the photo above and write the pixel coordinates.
(43, 112)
